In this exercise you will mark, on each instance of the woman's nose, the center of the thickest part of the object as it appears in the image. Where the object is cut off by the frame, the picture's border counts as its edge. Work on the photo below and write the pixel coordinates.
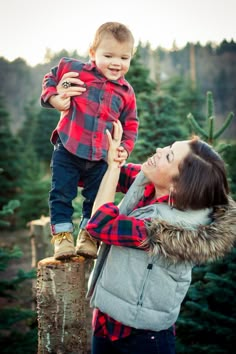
(158, 151)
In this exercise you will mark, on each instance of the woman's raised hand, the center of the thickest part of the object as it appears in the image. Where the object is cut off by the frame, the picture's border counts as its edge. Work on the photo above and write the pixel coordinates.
(114, 144)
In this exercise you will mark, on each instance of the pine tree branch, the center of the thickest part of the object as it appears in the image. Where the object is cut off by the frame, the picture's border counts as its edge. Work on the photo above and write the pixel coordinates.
(225, 125)
(195, 125)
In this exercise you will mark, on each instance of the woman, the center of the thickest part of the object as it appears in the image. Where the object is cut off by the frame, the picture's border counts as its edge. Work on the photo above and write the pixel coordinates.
(176, 213)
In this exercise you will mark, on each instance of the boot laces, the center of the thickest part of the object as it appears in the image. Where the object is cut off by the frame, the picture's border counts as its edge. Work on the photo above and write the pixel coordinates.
(61, 237)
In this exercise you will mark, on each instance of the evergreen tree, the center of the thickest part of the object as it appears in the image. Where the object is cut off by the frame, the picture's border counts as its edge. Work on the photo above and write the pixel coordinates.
(188, 98)
(18, 331)
(139, 76)
(46, 122)
(207, 321)
(159, 125)
(226, 46)
(12, 315)
(7, 210)
(27, 133)
(231, 167)
(35, 181)
(36, 130)
(208, 132)
(10, 162)
(35, 189)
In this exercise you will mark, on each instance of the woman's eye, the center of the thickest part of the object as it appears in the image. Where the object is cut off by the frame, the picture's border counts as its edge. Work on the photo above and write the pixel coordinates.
(168, 157)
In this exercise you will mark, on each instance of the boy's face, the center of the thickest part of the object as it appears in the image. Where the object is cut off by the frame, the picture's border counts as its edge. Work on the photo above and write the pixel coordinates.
(112, 58)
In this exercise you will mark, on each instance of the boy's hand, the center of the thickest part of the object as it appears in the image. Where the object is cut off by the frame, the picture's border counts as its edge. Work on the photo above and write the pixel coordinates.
(61, 102)
(122, 155)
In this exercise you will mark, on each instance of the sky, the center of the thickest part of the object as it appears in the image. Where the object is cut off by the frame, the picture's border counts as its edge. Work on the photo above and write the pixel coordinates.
(29, 27)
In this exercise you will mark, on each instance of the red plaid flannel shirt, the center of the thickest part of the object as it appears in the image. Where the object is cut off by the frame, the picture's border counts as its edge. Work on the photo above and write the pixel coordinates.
(120, 230)
(82, 129)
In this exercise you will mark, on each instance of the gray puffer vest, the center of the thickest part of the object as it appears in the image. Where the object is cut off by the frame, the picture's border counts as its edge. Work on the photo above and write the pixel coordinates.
(144, 290)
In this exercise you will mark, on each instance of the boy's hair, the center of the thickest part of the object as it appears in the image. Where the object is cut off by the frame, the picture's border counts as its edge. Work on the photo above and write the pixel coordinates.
(119, 31)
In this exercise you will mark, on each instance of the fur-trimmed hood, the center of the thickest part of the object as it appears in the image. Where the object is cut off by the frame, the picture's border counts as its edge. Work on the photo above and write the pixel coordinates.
(204, 244)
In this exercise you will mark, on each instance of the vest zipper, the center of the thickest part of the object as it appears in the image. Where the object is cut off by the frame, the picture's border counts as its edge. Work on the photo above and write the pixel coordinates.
(149, 268)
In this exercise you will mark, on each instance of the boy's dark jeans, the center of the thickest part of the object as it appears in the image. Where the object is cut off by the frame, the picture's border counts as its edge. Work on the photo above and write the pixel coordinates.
(139, 342)
(67, 171)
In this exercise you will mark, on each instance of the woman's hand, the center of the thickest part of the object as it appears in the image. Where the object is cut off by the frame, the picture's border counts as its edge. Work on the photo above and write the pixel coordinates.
(69, 85)
(113, 156)
(107, 189)
(60, 102)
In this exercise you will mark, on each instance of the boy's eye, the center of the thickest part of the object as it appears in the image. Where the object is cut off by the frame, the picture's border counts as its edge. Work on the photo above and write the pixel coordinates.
(108, 56)
(168, 157)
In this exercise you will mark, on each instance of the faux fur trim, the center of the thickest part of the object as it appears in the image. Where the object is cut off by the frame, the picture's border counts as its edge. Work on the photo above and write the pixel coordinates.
(204, 244)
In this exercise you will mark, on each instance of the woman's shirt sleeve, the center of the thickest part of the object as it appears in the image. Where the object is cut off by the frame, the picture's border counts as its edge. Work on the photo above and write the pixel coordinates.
(111, 227)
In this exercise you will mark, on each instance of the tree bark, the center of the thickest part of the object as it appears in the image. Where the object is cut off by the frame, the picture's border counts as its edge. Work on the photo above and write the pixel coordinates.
(61, 306)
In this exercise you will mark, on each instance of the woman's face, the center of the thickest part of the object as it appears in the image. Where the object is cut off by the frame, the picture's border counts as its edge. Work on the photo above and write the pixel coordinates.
(163, 165)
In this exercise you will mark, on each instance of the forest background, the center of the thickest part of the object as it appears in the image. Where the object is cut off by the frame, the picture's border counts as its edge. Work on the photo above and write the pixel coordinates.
(169, 85)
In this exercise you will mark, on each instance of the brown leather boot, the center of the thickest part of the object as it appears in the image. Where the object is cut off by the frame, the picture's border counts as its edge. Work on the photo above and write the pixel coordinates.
(63, 245)
(86, 246)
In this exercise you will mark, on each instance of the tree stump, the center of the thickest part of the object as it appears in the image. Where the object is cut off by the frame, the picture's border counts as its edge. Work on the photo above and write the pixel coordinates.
(40, 235)
(61, 306)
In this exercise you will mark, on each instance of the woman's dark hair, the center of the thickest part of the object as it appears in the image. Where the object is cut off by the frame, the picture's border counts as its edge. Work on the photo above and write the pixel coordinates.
(202, 181)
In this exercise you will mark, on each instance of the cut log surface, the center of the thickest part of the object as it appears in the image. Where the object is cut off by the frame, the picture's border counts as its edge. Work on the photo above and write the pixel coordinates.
(61, 306)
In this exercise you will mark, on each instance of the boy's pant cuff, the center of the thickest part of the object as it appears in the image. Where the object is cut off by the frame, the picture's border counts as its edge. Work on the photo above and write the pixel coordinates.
(63, 227)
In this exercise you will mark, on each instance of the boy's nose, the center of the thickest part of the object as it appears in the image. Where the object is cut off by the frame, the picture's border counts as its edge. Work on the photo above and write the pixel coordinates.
(115, 62)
